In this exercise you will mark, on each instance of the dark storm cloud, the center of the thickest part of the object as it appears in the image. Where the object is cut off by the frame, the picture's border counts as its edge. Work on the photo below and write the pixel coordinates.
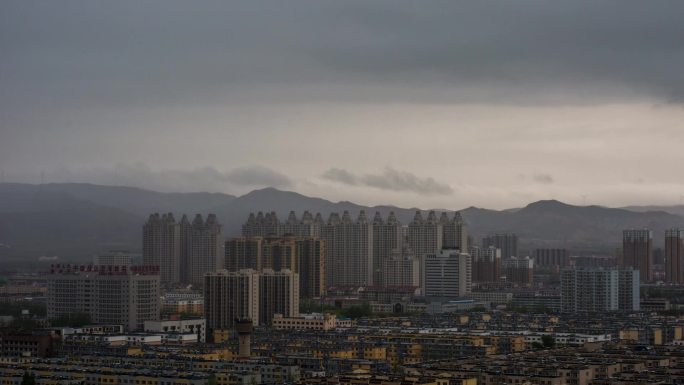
(80, 54)
(390, 179)
(471, 93)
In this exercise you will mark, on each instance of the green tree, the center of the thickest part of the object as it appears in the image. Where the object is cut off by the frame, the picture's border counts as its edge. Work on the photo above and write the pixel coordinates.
(548, 341)
(28, 379)
(72, 320)
(355, 312)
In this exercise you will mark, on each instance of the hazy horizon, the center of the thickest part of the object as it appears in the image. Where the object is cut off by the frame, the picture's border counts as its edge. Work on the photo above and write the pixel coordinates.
(408, 207)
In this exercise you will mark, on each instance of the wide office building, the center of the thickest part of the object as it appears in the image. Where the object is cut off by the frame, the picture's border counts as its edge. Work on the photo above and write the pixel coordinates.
(249, 294)
(447, 274)
(120, 295)
(596, 290)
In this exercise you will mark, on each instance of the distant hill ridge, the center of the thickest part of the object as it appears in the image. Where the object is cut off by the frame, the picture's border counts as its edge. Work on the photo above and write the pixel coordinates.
(76, 221)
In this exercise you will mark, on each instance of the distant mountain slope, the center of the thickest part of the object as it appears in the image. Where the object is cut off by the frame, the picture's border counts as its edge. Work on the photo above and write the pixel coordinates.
(75, 221)
(131, 199)
(676, 209)
(552, 223)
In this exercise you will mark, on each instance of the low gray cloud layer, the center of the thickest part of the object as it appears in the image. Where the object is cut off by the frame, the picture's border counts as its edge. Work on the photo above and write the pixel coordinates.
(76, 54)
(181, 96)
(390, 179)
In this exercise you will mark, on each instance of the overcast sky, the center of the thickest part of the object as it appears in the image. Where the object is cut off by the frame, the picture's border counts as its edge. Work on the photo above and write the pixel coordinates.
(414, 103)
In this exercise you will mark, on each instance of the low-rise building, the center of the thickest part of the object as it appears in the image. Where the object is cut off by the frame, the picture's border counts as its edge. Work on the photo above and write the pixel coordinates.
(196, 326)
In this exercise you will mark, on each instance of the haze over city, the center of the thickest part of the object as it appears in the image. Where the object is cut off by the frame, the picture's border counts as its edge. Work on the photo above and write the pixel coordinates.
(445, 105)
(341, 192)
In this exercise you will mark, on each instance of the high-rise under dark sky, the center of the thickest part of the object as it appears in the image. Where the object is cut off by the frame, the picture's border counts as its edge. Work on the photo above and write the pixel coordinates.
(637, 252)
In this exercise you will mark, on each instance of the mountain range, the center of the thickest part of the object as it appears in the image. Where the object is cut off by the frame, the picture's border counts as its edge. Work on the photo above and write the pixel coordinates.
(76, 221)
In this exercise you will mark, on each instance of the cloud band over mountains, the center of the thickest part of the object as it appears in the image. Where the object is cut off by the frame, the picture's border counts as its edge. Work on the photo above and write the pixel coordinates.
(390, 179)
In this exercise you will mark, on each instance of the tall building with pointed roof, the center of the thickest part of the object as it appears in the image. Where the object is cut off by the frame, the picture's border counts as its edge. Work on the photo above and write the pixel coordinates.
(307, 226)
(455, 232)
(348, 250)
(206, 246)
(425, 236)
(387, 239)
(161, 246)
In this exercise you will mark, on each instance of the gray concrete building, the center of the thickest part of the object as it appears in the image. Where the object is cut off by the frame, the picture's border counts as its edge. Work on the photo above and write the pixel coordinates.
(119, 295)
(595, 290)
(387, 239)
(161, 246)
(507, 242)
(447, 274)
(637, 252)
(455, 232)
(249, 294)
(206, 249)
(425, 236)
(349, 250)
(674, 256)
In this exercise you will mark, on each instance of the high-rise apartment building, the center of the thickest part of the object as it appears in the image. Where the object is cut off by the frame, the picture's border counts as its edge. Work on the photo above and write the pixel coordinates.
(354, 249)
(184, 251)
(279, 253)
(486, 264)
(243, 253)
(185, 248)
(551, 258)
(303, 255)
(447, 274)
(161, 246)
(674, 256)
(118, 295)
(307, 226)
(519, 270)
(262, 225)
(400, 269)
(231, 295)
(348, 250)
(387, 239)
(278, 294)
(598, 290)
(310, 254)
(507, 242)
(637, 252)
(249, 294)
(629, 290)
(425, 236)
(206, 248)
(455, 232)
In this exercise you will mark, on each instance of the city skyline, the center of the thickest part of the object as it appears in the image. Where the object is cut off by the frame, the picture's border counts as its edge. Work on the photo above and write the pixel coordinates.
(338, 192)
